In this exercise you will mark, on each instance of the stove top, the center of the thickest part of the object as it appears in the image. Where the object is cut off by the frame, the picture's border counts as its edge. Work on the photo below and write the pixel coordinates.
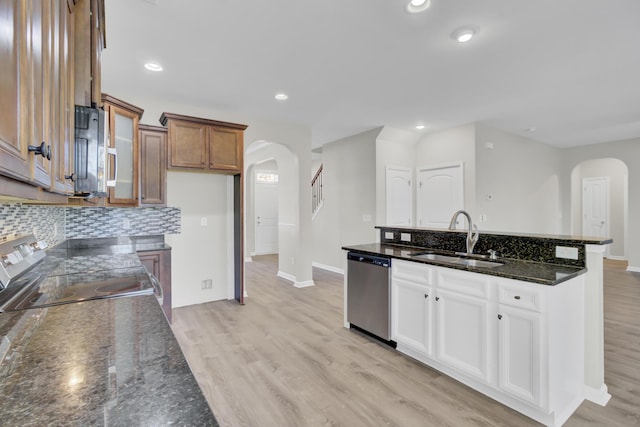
(32, 278)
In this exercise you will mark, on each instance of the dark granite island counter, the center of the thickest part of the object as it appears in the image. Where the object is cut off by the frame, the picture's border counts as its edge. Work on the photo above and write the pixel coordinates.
(107, 362)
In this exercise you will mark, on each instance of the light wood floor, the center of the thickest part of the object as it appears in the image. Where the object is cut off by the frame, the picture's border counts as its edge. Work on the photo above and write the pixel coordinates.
(284, 359)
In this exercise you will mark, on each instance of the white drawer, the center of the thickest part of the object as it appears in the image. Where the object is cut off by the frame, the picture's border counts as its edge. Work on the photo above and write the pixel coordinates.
(526, 296)
(412, 271)
(464, 282)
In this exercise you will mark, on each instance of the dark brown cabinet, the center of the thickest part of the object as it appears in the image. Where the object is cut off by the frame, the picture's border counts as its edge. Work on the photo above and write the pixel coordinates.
(158, 263)
(153, 165)
(205, 145)
(37, 89)
(211, 146)
(90, 40)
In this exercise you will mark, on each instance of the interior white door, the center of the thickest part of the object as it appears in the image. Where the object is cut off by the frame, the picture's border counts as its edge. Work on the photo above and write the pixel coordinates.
(440, 193)
(399, 196)
(595, 207)
(266, 218)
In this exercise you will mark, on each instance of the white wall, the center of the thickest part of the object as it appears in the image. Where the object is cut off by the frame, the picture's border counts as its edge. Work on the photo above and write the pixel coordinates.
(452, 145)
(394, 147)
(627, 151)
(517, 183)
(617, 173)
(348, 215)
(200, 252)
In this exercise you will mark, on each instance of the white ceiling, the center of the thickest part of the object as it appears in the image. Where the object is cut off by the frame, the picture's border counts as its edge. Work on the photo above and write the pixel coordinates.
(568, 68)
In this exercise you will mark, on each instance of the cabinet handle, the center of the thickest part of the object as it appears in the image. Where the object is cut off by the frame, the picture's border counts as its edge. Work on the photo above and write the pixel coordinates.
(499, 316)
(517, 297)
(69, 177)
(426, 296)
(437, 298)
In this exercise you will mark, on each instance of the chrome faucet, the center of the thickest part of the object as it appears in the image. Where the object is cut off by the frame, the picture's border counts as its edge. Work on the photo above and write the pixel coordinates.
(472, 239)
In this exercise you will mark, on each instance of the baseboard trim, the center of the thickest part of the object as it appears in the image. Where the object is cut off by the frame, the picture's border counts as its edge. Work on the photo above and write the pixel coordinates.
(286, 276)
(328, 268)
(600, 396)
(248, 259)
(634, 269)
(305, 284)
(616, 258)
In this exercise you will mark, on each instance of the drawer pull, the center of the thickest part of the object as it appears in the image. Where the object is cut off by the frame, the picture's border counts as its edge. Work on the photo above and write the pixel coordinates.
(517, 297)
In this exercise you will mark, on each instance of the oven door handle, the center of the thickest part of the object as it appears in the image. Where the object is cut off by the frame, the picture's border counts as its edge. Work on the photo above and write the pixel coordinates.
(157, 287)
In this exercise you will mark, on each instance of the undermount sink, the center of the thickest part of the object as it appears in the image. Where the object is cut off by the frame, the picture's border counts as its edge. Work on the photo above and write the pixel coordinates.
(457, 260)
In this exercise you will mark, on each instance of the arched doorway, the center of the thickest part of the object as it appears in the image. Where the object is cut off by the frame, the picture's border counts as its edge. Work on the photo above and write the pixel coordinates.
(599, 202)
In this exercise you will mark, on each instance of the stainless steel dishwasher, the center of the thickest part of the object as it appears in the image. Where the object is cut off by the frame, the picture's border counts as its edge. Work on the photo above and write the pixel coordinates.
(369, 294)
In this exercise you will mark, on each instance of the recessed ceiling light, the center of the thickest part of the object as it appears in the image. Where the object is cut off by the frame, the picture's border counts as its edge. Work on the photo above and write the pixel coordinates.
(281, 96)
(531, 129)
(417, 6)
(463, 35)
(153, 66)
(420, 127)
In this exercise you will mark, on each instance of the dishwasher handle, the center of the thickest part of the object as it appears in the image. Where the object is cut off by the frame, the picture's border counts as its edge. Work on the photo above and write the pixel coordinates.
(369, 259)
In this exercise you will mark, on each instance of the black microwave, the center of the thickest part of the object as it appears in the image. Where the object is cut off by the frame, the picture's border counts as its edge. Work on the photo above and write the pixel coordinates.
(91, 153)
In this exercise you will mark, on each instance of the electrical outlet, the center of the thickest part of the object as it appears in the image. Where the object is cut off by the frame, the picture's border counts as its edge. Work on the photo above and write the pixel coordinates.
(203, 221)
(405, 237)
(126, 223)
(207, 284)
(388, 235)
(566, 252)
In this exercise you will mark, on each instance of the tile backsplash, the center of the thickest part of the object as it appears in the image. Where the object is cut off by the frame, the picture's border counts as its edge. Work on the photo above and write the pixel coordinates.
(46, 222)
(113, 222)
(57, 223)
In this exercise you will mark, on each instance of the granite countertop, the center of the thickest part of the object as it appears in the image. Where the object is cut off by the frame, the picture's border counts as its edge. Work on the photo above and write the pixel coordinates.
(105, 362)
(528, 271)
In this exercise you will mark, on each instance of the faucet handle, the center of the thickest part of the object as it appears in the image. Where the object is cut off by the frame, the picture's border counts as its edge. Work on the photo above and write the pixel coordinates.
(493, 255)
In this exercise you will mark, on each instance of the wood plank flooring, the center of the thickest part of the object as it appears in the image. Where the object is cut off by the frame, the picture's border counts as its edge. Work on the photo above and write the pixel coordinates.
(284, 359)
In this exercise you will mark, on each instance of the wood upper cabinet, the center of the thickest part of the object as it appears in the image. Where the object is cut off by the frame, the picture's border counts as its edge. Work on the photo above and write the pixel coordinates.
(123, 137)
(90, 40)
(202, 144)
(36, 117)
(153, 165)
(14, 157)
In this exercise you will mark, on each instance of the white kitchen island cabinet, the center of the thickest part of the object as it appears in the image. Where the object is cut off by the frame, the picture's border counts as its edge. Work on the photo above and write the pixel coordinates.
(520, 343)
(413, 300)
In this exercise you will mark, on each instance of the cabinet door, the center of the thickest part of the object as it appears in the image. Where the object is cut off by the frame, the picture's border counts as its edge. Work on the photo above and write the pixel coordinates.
(519, 353)
(41, 66)
(225, 149)
(412, 315)
(14, 157)
(159, 264)
(463, 333)
(153, 167)
(62, 155)
(187, 145)
(123, 136)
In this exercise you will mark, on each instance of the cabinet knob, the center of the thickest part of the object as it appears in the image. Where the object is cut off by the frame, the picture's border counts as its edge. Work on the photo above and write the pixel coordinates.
(41, 150)
(426, 296)
(69, 177)
(517, 297)
(437, 298)
(499, 316)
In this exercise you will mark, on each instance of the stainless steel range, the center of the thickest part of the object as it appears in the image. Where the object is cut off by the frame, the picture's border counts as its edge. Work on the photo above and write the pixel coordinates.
(33, 278)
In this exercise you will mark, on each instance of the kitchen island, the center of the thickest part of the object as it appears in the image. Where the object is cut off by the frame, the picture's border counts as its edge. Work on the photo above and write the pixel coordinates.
(524, 328)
